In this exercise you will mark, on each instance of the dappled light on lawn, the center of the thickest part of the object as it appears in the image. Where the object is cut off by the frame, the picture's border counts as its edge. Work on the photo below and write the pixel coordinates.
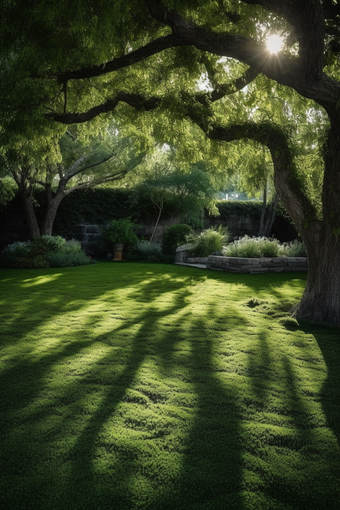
(154, 386)
(40, 280)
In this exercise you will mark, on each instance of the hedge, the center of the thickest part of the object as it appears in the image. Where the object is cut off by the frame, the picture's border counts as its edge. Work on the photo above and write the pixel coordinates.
(100, 205)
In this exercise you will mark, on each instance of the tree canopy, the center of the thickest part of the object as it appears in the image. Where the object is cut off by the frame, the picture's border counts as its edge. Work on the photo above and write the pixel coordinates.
(160, 179)
(76, 161)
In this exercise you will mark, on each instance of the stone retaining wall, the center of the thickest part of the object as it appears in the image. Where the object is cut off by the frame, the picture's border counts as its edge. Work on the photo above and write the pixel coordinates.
(89, 235)
(257, 265)
(242, 264)
(196, 260)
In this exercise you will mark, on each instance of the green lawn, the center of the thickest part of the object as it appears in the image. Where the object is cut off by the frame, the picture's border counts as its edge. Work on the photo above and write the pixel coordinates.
(143, 386)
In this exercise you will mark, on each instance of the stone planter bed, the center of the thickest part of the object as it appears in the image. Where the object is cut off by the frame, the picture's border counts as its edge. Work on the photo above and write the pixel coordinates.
(242, 264)
(257, 265)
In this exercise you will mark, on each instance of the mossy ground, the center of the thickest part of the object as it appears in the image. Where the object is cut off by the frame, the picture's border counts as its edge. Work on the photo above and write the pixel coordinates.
(141, 386)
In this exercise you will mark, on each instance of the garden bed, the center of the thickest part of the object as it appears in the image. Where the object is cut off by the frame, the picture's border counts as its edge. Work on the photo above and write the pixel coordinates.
(256, 265)
(266, 256)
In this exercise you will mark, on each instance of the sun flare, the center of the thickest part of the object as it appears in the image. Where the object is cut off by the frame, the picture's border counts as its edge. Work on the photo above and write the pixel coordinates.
(274, 43)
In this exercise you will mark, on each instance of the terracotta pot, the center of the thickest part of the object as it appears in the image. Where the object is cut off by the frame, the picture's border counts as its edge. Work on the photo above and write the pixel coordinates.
(118, 251)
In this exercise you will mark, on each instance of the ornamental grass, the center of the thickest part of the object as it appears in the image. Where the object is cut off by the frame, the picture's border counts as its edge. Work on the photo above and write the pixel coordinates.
(254, 247)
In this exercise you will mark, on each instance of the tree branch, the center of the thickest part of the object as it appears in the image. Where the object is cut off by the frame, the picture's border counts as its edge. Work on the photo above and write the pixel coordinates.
(16, 177)
(286, 179)
(304, 74)
(136, 101)
(187, 33)
(156, 46)
(94, 183)
(41, 183)
(87, 167)
(140, 103)
(73, 168)
(226, 89)
(60, 171)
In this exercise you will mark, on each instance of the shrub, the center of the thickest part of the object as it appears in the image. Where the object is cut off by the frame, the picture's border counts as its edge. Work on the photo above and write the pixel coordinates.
(62, 259)
(33, 261)
(71, 246)
(208, 241)
(263, 247)
(148, 251)
(40, 247)
(45, 251)
(17, 249)
(120, 231)
(252, 247)
(293, 249)
(174, 236)
(54, 243)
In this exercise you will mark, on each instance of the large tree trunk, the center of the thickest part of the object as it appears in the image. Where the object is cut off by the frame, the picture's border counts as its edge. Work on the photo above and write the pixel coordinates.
(33, 226)
(51, 211)
(321, 297)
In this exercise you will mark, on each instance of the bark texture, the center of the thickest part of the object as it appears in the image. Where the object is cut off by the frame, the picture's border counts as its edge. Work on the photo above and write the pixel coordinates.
(30, 215)
(321, 297)
(51, 211)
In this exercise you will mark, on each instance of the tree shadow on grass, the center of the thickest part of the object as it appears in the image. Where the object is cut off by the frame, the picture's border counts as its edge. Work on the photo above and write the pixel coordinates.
(207, 465)
(210, 475)
(26, 377)
(211, 472)
(207, 457)
(114, 487)
(75, 483)
(300, 460)
(328, 339)
(273, 282)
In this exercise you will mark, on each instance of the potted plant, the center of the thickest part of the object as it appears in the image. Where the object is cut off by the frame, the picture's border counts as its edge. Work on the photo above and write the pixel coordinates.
(118, 233)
